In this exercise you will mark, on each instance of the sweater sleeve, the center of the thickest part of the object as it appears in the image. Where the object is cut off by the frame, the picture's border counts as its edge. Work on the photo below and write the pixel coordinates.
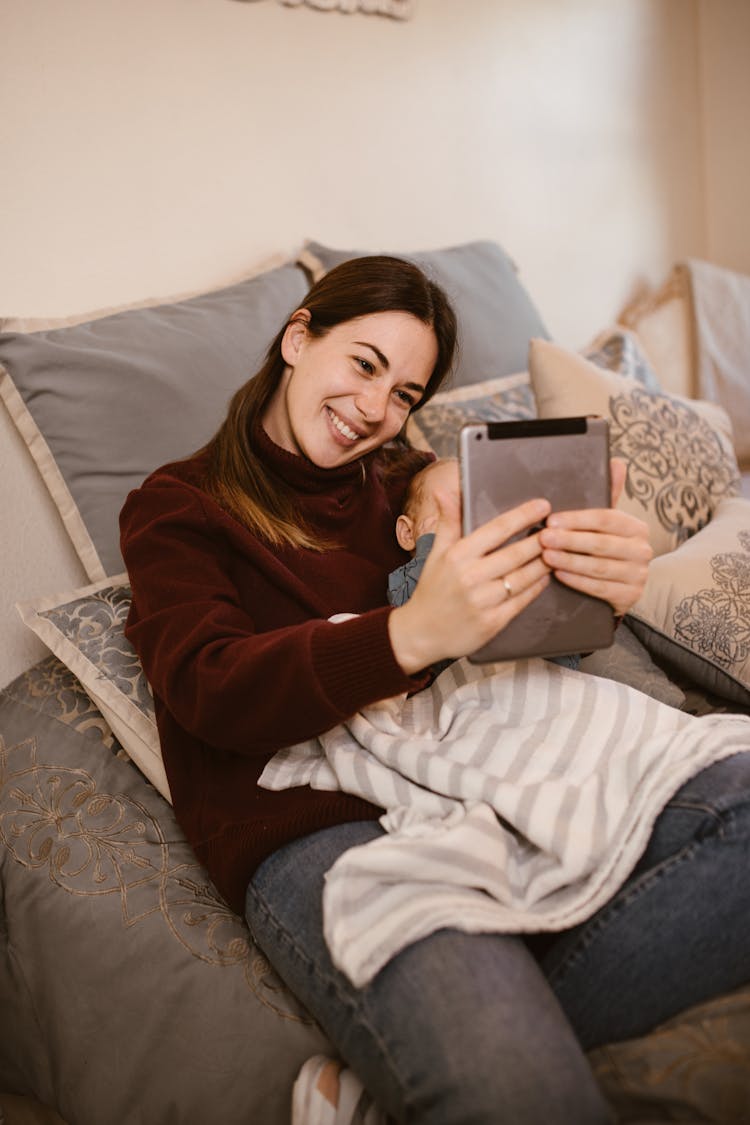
(224, 681)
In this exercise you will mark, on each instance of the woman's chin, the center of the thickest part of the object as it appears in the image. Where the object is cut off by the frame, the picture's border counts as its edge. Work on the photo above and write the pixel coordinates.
(334, 458)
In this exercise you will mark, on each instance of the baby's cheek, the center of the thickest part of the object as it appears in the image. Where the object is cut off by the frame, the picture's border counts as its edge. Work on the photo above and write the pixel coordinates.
(426, 525)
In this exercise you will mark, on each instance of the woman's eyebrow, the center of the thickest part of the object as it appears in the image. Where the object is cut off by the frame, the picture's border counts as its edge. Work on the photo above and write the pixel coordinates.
(382, 359)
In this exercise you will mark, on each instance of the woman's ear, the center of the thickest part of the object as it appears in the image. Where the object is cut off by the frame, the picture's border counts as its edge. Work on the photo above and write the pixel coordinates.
(294, 336)
(405, 533)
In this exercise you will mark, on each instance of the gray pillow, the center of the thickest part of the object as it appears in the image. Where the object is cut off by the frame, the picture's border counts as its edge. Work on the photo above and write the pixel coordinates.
(130, 991)
(627, 661)
(101, 404)
(496, 316)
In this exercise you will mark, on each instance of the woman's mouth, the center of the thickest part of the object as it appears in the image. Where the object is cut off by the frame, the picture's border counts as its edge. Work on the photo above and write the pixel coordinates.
(341, 426)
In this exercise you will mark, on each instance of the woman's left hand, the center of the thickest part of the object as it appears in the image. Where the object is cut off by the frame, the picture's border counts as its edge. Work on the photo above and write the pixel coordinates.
(600, 551)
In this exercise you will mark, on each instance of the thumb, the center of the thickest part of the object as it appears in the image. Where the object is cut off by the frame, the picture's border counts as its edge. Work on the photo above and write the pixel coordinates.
(617, 472)
(448, 528)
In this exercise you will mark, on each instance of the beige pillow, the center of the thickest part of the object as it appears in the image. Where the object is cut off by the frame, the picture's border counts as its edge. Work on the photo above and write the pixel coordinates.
(662, 322)
(695, 611)
(679, 455)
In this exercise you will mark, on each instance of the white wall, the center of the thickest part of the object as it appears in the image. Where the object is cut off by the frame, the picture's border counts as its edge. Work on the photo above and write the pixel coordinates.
(153, 145)
(725, 100)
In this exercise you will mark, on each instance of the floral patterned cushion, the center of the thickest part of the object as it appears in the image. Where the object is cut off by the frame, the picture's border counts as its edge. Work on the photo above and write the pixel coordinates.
(508, 398)
(85, 630)
(505, 399)
(695, 611)
(679, 454)
(130, 991)
(618, 349)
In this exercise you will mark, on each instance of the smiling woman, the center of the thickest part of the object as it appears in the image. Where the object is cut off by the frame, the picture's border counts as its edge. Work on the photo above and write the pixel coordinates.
(259, 571)
(239, 554)
(341, 395)
(374, 340)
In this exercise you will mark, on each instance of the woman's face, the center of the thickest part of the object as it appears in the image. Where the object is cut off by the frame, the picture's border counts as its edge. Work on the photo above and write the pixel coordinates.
(348, 392)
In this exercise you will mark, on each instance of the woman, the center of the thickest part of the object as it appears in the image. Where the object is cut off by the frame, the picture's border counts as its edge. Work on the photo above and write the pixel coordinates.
(237, 557)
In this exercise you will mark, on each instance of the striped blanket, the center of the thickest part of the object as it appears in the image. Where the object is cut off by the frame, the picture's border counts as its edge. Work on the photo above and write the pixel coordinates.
(518, 798)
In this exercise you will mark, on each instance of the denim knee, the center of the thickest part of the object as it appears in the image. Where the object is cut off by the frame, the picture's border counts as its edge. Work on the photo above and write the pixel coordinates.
(675, 934)
(456, 1029)
(715, 801)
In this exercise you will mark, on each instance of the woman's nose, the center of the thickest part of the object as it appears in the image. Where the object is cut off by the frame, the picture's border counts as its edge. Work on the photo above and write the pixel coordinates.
(372, 403)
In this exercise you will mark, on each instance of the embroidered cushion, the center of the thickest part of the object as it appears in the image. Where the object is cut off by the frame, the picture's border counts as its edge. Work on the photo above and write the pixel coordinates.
(695, 611)
(679, 455)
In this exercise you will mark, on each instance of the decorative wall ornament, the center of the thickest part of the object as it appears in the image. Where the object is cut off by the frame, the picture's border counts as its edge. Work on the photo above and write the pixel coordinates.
(399, 9)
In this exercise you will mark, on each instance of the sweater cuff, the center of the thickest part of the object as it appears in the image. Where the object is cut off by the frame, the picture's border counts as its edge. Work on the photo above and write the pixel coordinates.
(355, 664)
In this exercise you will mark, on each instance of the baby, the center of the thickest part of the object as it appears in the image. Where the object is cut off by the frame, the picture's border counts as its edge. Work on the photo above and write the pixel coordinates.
(415, 527)
(415, 532)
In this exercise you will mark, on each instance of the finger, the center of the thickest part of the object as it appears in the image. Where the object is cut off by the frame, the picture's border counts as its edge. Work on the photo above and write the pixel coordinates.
(617, 472)
(516, 581)
(511, 607)
(621, 595)
(599, 520)
(630, 571)
(519, 563)
(496, 531)
(493, 590)
(448, 526)
(594, 543)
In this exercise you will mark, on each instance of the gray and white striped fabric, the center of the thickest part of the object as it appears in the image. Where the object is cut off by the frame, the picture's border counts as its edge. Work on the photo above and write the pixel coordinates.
(519, 796)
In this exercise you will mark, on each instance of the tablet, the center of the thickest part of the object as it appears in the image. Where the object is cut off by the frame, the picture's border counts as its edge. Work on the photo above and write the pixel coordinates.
(565, 460)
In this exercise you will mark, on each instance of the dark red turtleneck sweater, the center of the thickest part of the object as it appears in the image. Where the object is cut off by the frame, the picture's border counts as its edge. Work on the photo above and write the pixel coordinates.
(234, 640)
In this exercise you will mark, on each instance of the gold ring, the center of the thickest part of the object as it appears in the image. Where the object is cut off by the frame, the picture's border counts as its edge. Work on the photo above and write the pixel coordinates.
(508, 588)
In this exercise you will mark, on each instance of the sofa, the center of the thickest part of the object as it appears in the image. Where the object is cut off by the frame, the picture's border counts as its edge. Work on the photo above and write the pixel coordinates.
(129, 991)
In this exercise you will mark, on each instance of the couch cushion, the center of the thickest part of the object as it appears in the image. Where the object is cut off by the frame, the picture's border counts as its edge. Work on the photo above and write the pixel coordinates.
(694, 614)
(496, 316)
(102, 403)
(679, 455)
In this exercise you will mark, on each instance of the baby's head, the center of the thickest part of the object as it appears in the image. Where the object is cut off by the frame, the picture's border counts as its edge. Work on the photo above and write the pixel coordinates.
(420, 514)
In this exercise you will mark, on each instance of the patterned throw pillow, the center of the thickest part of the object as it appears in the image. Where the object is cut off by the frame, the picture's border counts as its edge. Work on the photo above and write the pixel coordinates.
(85, 630)
(509, 398)
(437, 424)
(679, 455)
(695, 610)
(618, 349)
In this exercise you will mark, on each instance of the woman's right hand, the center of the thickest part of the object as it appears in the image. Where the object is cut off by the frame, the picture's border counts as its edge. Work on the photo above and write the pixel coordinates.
(462, 599)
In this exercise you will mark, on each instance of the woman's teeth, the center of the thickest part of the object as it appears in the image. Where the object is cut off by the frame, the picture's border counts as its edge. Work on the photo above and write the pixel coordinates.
(342, 427)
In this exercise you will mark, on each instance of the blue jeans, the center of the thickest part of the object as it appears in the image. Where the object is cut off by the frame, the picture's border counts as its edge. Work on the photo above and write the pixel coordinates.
(474, 1029)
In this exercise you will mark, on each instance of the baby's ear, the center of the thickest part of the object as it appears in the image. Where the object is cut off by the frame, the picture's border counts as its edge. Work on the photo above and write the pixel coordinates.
(405, 533)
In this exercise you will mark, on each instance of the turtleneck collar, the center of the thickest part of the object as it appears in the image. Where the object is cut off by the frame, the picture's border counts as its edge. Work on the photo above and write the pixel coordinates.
(301, 474)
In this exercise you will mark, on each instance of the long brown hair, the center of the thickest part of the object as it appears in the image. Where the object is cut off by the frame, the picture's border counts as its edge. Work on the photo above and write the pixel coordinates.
(240, 480)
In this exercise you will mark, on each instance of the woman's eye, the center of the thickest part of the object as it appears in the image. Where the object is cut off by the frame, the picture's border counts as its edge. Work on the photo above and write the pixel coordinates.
(366, 365)
(405, 399)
